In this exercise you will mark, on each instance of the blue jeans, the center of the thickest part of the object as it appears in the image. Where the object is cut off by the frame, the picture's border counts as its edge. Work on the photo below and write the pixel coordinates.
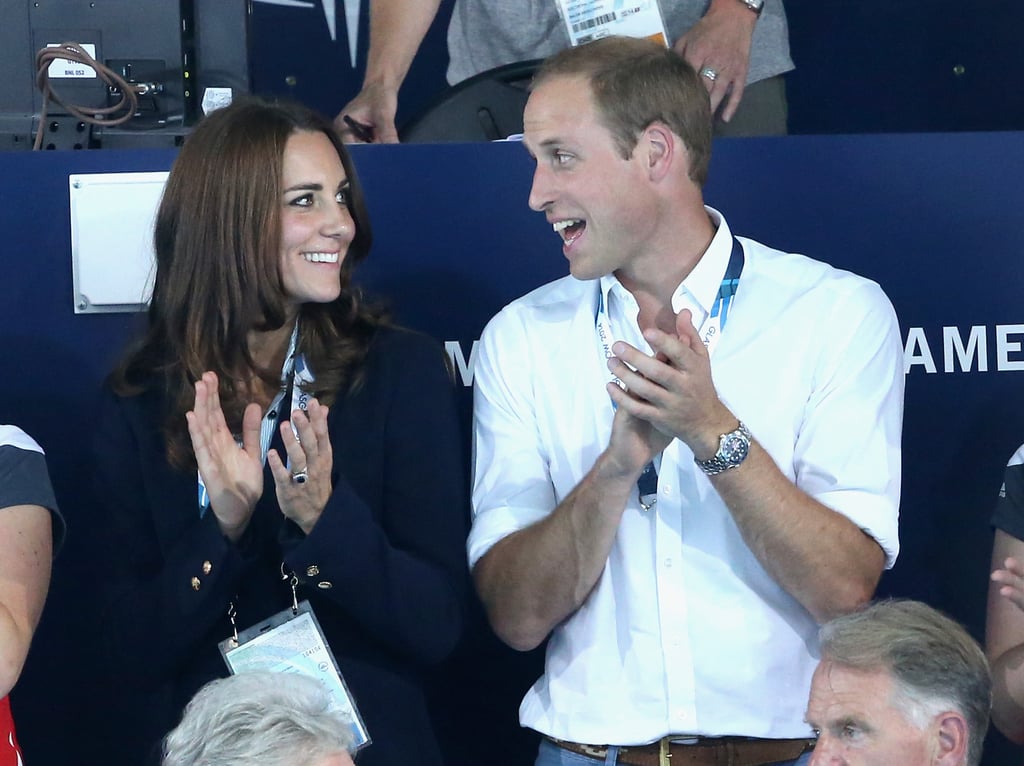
(551, 754)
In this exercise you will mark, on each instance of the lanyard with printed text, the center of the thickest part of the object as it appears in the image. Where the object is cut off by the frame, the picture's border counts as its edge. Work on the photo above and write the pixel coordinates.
(710, 333)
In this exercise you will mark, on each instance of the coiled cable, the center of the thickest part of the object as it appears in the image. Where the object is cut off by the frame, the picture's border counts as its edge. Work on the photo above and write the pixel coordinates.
(127, 105)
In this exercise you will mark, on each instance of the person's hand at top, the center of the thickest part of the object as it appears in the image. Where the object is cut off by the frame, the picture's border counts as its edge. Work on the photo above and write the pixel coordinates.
(370, 116)
(397, 29)
(718, 47)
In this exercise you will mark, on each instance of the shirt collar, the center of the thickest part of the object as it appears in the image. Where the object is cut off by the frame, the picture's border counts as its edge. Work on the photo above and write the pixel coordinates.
(702, 283)
(612, 291)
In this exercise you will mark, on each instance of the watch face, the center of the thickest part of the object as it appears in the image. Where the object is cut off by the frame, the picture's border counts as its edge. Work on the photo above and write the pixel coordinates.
(734, 449)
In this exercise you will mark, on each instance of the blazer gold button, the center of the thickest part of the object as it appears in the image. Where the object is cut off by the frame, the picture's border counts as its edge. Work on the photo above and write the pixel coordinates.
(312, 570)
(325, 585)
(207, 567)
(195, 583)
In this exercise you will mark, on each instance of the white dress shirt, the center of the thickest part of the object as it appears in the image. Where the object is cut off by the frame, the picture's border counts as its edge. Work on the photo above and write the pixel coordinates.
(685, 632)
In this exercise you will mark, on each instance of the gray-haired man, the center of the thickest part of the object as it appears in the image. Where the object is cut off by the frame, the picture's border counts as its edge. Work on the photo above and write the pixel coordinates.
(899, 683)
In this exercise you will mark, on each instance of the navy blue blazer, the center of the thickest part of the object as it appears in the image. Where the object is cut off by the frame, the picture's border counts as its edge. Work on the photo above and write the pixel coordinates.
(384, 567)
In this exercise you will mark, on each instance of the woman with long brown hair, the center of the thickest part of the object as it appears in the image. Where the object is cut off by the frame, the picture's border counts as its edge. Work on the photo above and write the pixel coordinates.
(270, 432)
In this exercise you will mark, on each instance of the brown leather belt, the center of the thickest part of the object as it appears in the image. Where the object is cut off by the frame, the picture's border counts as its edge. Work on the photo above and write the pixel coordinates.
(700, 751)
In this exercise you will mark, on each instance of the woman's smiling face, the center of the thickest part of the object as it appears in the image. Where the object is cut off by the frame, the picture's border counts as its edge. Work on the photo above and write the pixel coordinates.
(316, 224)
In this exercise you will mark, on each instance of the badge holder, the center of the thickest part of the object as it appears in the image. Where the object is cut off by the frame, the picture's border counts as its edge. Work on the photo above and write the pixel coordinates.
(291, 641)
(587, 20)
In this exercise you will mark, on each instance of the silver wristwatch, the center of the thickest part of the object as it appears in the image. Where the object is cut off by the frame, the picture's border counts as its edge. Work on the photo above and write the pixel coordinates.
(755, 5)
(733, 449)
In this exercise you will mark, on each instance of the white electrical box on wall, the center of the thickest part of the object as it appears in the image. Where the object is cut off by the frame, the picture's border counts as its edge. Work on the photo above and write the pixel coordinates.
(112, 217)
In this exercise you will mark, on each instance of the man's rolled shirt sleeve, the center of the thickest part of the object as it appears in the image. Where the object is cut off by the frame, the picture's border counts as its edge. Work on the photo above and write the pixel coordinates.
(848, 450)
(512, 486)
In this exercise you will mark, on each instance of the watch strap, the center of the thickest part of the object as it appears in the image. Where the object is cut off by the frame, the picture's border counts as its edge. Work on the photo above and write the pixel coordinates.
(719, 462)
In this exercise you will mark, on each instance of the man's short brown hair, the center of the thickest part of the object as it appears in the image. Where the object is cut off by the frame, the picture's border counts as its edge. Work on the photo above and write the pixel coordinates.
(637, 82)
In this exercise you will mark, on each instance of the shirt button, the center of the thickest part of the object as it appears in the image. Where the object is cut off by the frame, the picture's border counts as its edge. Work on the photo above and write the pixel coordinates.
(668, 563)
(312, 570)
(325, 585)
(207, 567)
(195, 583)
(667, 489)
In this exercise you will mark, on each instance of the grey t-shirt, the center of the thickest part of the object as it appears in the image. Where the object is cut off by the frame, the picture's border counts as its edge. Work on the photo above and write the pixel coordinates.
(484, 34)
(24, 479)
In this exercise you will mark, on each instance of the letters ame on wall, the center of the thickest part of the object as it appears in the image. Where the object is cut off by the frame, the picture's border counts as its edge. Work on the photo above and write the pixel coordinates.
(972, 355)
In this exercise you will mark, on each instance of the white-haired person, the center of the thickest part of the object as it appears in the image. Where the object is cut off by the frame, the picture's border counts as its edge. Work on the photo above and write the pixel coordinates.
(899, 683)
(261, 719)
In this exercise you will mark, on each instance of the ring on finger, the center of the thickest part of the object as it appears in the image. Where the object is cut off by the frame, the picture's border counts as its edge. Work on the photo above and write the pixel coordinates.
(710, 73)
(300, 477)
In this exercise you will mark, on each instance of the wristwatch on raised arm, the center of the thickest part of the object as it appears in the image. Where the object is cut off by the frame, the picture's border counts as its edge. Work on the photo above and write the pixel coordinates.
(733, 449)
(755, 5)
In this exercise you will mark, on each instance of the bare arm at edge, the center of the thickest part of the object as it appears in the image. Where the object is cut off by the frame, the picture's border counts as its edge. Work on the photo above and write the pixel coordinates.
(397, 29)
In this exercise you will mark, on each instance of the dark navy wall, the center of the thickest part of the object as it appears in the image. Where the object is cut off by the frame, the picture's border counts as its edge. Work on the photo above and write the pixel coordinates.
(905, 65)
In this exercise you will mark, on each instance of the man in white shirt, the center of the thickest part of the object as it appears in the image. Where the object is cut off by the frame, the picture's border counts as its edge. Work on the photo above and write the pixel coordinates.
(686, 453)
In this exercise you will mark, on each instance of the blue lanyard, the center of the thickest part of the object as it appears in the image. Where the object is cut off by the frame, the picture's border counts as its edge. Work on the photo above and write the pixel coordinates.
(710, 331)
(727, 289)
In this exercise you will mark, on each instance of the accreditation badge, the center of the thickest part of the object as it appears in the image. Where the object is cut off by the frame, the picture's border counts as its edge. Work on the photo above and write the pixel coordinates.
(587, 20)
(291, 641)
